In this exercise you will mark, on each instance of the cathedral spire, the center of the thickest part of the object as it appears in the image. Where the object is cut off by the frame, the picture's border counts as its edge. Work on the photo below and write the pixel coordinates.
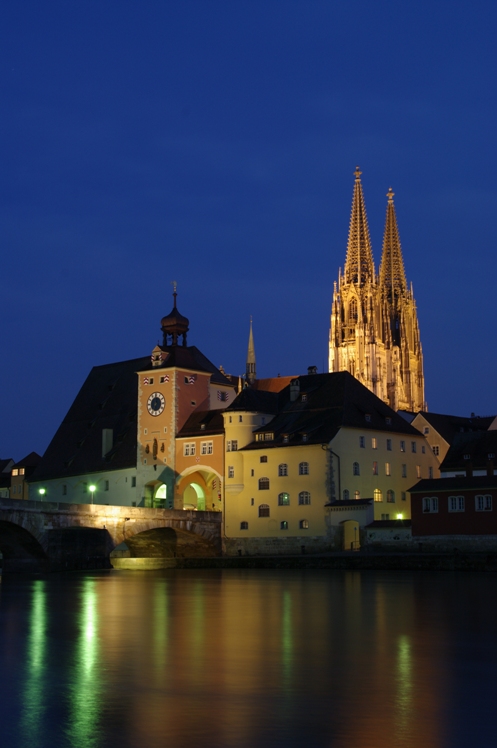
(359, 266)
(250, 368)
(392, 274)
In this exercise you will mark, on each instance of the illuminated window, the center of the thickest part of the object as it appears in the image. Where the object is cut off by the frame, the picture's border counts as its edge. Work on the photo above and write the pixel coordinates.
(243, 525)
(375, 468)
(284, 525)
(304, 498)
(387, 468)
(418, 471)
(377, 495)
(430, 505)
(231, 471)
(346, 494)
(263, 484)
(402, 446)
(264, 510)
(356, 470)
(404, 470)
(15, 471)
(21, 471)
(303, 468)
(389, 445)
(413, 447)
(436, 449)
(189, 449)
(362, 442)
(206, 448)
(357, 495)
(283, 469)
(283, 499)
(483, 503)
(456, 503)
(374, 442)
(304, 524)
(390, 497)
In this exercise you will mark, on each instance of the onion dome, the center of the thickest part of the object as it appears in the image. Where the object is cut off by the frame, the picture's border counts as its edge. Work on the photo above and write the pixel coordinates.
(174, 325)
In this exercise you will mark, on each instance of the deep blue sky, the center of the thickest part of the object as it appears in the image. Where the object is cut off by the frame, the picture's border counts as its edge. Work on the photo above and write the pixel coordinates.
(214, 143)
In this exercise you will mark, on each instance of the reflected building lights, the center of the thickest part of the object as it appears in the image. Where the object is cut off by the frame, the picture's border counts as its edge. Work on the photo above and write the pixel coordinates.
(33, 695)
(404, 684)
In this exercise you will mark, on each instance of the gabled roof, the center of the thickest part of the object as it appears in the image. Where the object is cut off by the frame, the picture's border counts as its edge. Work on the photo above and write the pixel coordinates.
(448, 426)
(6, 465)
(31, 460)
(330, 402)
(430, 486)
(272, 384)
(471, 449)
(203, 423)
(190, 358)
(255, 401)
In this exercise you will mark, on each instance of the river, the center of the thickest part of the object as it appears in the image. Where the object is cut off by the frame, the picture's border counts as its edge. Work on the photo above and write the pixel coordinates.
(249, 658)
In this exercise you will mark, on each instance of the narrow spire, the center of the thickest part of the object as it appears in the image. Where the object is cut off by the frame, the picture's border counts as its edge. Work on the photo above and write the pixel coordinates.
(250, 369)
(359, 266)
(392, 274)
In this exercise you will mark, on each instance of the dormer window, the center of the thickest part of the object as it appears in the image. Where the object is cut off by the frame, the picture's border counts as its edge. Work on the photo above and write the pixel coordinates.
(268, 436)
(304, 397)
(491, 456)
(367, 416)
(202, 426)
(467, 457)
(388, 420)
(285, 438)
(304, 437)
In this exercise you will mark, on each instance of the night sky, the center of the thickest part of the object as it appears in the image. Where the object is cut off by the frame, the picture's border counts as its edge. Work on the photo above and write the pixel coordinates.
(214, 143)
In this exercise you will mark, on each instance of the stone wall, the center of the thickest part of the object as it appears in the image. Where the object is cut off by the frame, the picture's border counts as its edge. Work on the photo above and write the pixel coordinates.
(275, 546)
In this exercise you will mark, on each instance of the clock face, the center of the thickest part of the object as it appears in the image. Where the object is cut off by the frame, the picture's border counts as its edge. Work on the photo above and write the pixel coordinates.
(156, 404)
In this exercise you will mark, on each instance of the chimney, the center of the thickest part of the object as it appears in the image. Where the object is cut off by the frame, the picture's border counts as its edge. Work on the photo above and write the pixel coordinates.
(294, 389)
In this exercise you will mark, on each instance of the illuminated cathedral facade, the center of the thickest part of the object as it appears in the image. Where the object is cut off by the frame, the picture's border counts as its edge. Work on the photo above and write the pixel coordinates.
(374, 332)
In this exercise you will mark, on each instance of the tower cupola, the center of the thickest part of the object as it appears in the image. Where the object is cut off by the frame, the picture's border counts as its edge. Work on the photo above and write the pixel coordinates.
(174, 325)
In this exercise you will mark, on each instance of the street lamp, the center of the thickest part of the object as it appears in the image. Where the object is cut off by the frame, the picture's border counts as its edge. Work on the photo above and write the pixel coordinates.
(42, 492)
(92, 490)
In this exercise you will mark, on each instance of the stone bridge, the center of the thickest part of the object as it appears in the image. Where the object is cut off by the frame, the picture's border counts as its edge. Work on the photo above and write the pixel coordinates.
(48, 536)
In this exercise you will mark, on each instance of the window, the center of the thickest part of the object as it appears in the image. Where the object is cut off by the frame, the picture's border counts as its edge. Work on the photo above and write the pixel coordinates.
(389, 445)
(231, 471)
(404, 470)
(430, 472)
(268, 436)
(436, 449)
(303, 468)
(387, 468)
(232, 445)
(413, 447)
(189, 449)
(374, 442)
(385, 516)
(304, 437)
(367, 416)
(426, 430)
(418, 471)
(423, 449)
(64, 490)
(430, 505)
(362, 442)
(206, 448)
(375, 468)
(388, 420)
(356, 470)
(252, 472)
(240, 419)
(390, 497)
(283, 499)
(483, 503)
(163, 379)
(283, 469)
(456, 503)
(353, 311)
(264, 510)
(285, 438)
(284, 525)
(304, 524)
(263, 484)
(106, 485)
(403, 496)
(230, 419)
(377, 495)
(346, 495)
(15, 471)
(133, 482)
(357, 495)
(402, 446)
(304, 498)
(243, 525)
(263, 458)
(252, 502)
(21, 471)
(303, 397)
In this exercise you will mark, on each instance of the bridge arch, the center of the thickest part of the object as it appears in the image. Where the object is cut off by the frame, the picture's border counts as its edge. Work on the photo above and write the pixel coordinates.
(199, 488)
(20, 549)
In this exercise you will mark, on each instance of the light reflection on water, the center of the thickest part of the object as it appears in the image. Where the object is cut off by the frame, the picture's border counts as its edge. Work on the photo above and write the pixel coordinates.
(248, 658)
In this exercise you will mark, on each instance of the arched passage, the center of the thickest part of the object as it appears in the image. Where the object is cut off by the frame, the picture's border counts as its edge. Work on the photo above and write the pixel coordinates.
(199, 490)
(20, 549)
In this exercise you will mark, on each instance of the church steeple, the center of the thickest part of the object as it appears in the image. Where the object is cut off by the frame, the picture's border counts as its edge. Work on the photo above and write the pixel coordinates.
(250, 367)
(359, 266)
(174, 325)
(392, 274)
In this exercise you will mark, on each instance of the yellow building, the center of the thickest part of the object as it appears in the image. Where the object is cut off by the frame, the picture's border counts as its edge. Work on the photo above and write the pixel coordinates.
(374, 332)
(323, 438)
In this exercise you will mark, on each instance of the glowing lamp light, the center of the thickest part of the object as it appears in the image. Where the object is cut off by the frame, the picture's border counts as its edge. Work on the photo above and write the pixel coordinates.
(42, 491)
(92, 490)
(399, 516)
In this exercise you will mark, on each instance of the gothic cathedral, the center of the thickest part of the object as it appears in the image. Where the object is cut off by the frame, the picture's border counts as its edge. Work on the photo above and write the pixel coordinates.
(374, 331)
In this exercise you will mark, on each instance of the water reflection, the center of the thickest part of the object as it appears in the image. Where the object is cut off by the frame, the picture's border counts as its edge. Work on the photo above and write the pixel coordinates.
(247, 658)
